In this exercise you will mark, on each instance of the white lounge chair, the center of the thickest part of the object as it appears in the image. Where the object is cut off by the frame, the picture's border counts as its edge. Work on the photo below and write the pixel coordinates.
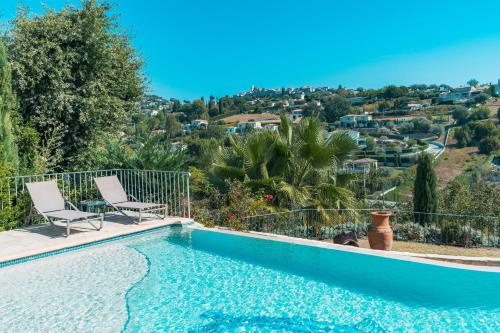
(50, 204)
(115, 196)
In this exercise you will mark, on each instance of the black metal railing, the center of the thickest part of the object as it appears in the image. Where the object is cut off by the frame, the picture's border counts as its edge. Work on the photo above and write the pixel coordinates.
(449, 229)
(165, 187)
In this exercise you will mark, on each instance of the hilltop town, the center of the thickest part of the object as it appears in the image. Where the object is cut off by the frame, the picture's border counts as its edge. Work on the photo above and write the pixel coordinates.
(392, 126)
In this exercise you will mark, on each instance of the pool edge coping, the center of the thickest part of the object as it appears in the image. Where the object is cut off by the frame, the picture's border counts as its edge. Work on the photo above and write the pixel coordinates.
(75, 247)
(405, 256)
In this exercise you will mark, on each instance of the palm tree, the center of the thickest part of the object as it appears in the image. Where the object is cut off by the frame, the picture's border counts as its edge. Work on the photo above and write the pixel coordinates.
(297, 165)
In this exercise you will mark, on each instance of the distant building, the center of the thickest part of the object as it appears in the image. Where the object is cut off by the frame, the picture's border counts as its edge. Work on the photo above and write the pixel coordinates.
(199, 124)
(355, 100)
(355, 120)
(243, 126)
(361, 165)
(272, 127)
(175, 146)
(296, 114)
(300, 95)
(498, 87)
(458, 95)
(414, 106)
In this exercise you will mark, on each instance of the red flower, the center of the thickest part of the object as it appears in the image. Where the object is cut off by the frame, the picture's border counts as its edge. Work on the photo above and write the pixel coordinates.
(229, 217)
(268, 197)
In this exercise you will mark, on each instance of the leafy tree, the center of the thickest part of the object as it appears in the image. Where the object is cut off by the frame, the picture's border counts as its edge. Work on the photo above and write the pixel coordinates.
(334, 108)
(198, 108)
(463, 136)
(74, 68)
(172, 126)
(370, 144)
(483, 129)
(421, 124)
(480, 99)
(460, 114)
(384, 106)
(479, 113)
(492, 91)
(473, 82)
(392, 91)
(424, 190)
(489, 145)
(406, 127)
(311, 109)
(463, 197)
(152, 153)
(8, 150)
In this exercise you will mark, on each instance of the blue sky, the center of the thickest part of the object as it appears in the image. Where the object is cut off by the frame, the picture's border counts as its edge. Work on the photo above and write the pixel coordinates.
(218, 47)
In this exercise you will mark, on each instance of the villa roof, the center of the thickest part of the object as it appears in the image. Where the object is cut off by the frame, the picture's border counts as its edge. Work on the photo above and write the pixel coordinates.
(365, 160)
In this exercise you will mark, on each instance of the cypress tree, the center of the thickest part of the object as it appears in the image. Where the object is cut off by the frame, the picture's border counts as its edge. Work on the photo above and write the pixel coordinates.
(8, 151)
(424, 190)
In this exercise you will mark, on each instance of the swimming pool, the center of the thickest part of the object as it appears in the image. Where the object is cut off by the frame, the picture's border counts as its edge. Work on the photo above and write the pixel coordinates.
(197, 280)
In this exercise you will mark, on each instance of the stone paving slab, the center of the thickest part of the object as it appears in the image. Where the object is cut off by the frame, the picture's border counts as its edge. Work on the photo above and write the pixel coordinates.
(37, 239)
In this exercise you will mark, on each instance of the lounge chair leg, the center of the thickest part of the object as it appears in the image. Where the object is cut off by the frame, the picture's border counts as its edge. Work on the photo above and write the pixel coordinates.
(165, 213)
(102, 221)
(140, 215)
(67, 229)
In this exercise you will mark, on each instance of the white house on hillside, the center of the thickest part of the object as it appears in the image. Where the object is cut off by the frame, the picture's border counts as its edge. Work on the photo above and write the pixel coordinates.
(458, 95)
(243, 126)
(355, 120)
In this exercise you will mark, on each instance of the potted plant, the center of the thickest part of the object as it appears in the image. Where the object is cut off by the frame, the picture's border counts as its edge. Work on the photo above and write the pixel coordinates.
(379, 232)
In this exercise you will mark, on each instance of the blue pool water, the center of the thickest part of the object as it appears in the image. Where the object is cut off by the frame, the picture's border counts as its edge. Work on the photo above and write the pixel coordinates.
(184, 280)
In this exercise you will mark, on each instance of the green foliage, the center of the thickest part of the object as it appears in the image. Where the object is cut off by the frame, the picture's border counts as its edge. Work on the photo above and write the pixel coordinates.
(489, 145)
(479, 113)
(370, 144)
(297, 165)
(484, 129)
(473, 82)
(335, 107)
(421, 124)
(152, 153)
(203, 151)
(311, 110)
(480, 98)
(424, 189)
(171, 126)
(229, 205)
(392, 91)
(461, 115)
(8, 149)
(74, 68)
(10, 214)
(463, 136)
(463, 197)
(195, 110)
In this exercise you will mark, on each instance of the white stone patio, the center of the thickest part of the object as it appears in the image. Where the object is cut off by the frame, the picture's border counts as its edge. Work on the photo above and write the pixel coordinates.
(36, 239)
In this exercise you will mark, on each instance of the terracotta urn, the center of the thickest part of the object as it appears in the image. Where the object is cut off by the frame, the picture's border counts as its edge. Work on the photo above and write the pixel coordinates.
(380, 232)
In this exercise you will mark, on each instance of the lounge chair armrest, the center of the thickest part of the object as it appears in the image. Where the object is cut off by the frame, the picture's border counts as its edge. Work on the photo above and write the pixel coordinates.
(134, 198)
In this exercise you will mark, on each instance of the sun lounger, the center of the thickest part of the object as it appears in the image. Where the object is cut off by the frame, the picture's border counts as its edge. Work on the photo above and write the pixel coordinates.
(115, 196)
(50, 204)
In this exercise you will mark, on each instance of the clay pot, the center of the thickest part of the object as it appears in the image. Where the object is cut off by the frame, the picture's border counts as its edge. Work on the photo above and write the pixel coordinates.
(380, 232)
